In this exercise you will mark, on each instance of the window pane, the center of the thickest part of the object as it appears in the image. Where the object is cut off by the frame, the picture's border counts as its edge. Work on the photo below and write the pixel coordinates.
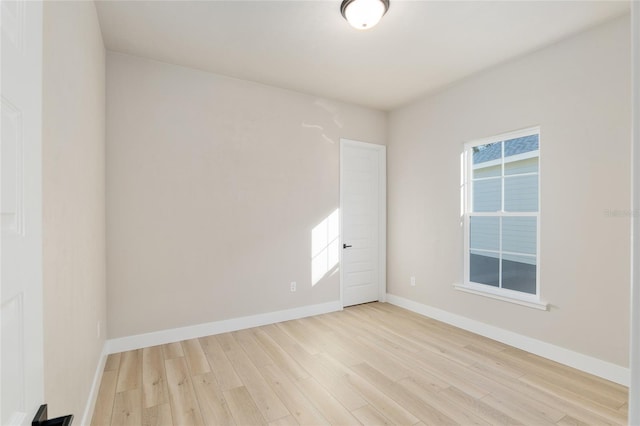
(488, 152)
(484, 233)
(487, 195)
(519, 234)
(519, 273)
(521, 145)
(483, 268)
(521, 193)
(528, 165)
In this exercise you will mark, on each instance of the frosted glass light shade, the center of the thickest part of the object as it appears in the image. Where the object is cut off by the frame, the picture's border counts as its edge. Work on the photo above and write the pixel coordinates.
(364, 14)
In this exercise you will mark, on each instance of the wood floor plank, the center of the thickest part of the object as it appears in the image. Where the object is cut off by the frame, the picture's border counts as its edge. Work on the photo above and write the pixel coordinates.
(211, 400)
(542, 398)
(470, 404)
(285, 421)
(440, 407)
(248, 341)
(399, 318)
(492, 361)
(611, 400)
(184, 405)
(571, 394)
(332, 344)
(514, 409)
(154, 379)
(330, 377)
(415, 363)
(505, 395)
(570, 421)
(371, 323)
(269, 404)
(411, 401)
(390, 334)
(543, 365)
(368, 415)
(421, 399)
(243, 409)
(326, 403)
(386, 405)
(196, 359)
(364, 348)
(130, 372)
(104, 403)
(127, 408)
(437, 370)
(412, 361)
(113, 362)
(220, 365)
(280, 357)
(172, 350)
(456, 335)
(315, 324)
(298, 331)
(328, 342)
(443, 348)
(296, 402)
(158, 415)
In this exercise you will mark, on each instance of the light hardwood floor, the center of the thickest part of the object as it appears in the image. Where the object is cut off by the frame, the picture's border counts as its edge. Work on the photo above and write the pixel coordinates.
(370, 364)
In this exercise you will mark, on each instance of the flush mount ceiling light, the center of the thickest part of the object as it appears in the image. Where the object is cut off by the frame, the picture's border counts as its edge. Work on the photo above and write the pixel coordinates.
(363, 14)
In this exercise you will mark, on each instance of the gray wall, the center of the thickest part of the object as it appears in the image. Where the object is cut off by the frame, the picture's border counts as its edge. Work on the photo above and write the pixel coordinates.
(578, 91)
(213, 187)
(73, 164)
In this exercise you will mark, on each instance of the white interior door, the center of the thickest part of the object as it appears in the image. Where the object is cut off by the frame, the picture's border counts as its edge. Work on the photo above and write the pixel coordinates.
(363, 222)
(21, 363)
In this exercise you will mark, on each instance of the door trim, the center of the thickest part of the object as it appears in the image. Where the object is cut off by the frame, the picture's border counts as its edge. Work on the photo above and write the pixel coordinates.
(382, 215)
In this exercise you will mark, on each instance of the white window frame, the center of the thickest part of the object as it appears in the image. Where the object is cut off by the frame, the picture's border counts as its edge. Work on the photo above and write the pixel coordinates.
(513, 296)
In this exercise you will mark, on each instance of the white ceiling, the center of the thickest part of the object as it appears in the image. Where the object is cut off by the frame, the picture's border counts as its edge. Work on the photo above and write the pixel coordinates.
(418, 47)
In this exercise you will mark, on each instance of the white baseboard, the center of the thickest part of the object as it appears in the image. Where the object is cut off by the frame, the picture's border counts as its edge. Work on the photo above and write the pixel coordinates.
(95, 387)
(591, 365)
(207, 329)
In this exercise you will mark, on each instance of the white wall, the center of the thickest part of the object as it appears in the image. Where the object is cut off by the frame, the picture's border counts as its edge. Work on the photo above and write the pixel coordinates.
(73, 203)
(578, 91)
(213, 187)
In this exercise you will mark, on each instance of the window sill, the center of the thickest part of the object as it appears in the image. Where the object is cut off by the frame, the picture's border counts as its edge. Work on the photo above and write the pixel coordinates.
(529, 301)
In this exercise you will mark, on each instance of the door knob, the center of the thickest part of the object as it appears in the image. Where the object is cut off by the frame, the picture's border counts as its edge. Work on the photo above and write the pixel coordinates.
(344, 246)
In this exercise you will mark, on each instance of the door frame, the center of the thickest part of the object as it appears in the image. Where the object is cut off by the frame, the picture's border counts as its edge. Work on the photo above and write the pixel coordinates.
(634, 352)
(381, 150)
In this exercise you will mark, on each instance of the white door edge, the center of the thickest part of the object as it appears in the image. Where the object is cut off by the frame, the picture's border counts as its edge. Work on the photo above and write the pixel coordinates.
(382, 211)
(21, 292)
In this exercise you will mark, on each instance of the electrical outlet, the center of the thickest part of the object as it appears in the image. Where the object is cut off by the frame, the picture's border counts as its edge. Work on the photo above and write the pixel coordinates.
(293, 286)
(413, 281)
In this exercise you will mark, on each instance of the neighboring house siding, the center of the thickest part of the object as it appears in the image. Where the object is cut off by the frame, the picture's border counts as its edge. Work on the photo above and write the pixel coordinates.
(519, 233)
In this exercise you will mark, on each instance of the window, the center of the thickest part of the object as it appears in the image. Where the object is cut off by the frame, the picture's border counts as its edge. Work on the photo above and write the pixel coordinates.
(501, 217)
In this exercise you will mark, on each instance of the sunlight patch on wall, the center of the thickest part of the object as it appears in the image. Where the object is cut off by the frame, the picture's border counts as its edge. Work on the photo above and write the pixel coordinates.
(325, 247)
(463, 180)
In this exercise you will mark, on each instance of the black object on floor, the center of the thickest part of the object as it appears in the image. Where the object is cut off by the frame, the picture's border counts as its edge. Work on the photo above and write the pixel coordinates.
(41, 418)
